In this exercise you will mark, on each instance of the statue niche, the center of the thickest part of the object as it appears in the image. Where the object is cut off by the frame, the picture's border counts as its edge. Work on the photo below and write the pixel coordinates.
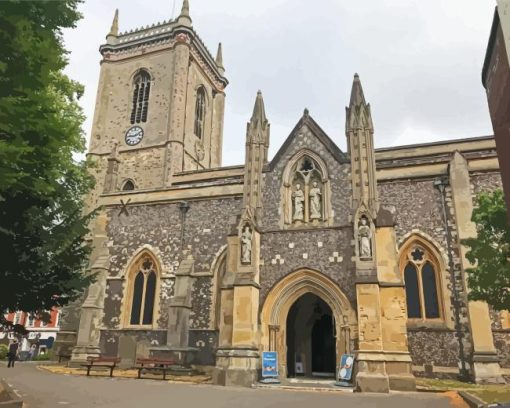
(315, 202)
(306, 197)
(246, 245)
(364, 239)
(298, 198)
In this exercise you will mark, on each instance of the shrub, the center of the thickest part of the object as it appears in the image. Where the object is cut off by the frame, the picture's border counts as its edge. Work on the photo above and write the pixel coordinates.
(3, 351)
(42, 357)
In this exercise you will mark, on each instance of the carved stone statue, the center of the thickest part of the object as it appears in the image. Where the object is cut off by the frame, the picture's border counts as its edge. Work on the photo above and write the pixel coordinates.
(315, 201)
(298, 197)
(365, 239)
(246, 238)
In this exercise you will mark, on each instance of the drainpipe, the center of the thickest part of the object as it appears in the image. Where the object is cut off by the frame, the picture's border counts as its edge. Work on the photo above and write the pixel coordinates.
(440, 184)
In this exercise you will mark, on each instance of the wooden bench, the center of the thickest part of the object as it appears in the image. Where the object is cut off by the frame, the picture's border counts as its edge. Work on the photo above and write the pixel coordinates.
(153, 364)
(101, 362)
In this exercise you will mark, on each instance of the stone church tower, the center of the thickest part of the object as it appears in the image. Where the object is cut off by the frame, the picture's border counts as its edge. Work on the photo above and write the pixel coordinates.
(314, 253)
(159, 111)
(159, 107)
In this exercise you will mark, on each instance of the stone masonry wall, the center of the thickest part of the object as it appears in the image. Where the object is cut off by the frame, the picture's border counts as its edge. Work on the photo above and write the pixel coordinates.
(338, 173)
(158, 228)
(326, 250)
(419, 210)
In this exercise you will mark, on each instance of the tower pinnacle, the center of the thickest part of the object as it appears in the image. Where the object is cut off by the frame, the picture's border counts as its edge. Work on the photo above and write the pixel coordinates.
(357, 97)
(259, 112)
(184, 18)
(114, 30)
(219, 58)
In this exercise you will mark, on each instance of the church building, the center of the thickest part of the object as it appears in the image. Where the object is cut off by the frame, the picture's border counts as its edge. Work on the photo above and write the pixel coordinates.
(313, 253)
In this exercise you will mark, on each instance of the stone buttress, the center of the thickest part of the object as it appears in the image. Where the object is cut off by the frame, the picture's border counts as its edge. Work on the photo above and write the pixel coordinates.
(237, 357)
(383, 360)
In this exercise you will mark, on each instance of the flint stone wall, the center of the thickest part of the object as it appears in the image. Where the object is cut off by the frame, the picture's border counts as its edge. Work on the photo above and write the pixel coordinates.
(158, 227)
(326, 250)
(339, 175)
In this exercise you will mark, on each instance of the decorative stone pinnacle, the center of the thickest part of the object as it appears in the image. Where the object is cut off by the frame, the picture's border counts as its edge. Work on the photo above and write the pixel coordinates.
(184, 18)
(357, 97)
(306, 112)
(259, 112)
(114, 30)
(219, 57)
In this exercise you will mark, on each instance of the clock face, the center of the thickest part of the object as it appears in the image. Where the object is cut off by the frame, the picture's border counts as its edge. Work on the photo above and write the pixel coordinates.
(134, 135)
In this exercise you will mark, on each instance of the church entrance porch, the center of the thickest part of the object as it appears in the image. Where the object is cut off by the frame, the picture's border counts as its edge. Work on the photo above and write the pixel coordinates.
(310, 322)
(310, 333)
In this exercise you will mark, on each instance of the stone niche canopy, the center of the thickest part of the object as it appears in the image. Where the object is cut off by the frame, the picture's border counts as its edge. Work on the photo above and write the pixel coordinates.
(306, 191)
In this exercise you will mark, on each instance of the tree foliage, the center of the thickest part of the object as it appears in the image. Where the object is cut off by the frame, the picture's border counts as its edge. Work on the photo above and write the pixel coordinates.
(42, 221)
(489, 252)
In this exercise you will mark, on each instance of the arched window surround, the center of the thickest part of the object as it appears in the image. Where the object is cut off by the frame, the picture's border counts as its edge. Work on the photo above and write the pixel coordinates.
(321, 175)
(432, 256)
(200, 112)
(128, 185)
(140, 96)
(133, 270)
(218, 273)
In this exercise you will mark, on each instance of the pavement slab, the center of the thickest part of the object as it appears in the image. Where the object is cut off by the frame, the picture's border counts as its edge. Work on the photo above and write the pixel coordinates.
(43, 389)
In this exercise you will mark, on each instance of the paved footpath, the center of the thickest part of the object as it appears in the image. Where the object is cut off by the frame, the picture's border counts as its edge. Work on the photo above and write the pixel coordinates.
(42, 389)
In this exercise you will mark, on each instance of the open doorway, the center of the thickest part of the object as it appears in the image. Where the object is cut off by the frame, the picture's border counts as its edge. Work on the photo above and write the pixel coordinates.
(310, 338)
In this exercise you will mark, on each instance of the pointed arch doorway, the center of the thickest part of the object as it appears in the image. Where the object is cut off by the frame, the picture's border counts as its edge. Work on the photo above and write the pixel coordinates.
(307, 298)
(310, 338)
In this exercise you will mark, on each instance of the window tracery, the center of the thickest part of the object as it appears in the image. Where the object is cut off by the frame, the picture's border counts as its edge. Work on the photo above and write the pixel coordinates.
(143, 282)
(422, 283)
(141, 91)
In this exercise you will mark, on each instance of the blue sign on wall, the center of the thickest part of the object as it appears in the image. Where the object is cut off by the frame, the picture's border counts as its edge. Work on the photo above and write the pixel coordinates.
(345, 368)
(269, 364)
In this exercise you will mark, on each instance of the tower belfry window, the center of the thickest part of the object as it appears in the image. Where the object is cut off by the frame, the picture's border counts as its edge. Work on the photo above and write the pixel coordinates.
(141, 91)
(200, 113)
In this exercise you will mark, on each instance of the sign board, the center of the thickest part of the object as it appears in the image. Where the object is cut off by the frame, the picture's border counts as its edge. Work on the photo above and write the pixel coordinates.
(345, 367)
(269, 364)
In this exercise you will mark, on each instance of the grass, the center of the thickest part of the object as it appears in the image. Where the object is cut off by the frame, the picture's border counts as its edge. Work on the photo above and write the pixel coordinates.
(488, 393)
(120, 373)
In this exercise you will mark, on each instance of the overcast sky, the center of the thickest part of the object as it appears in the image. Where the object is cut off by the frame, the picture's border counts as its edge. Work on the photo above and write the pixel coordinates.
(419, 62)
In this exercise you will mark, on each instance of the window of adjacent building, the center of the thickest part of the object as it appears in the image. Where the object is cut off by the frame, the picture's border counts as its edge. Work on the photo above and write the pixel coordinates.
(17, 318)
(422, 283)
(200, 113)
(143, 292)
(141, 91)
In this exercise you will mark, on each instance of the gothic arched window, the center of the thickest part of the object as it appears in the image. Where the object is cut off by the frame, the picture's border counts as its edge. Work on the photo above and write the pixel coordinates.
(141, 91)
(128, 185)
(200, 113)
(422, 282)
(143, 280)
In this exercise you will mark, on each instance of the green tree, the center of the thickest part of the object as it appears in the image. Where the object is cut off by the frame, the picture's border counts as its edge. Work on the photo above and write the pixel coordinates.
(42, 221)
(489, 252)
